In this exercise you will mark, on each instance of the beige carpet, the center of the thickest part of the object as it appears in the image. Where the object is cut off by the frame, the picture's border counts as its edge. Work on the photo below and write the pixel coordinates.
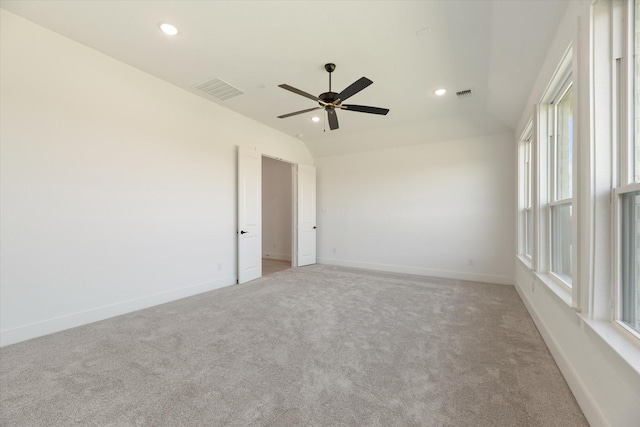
(313, 346)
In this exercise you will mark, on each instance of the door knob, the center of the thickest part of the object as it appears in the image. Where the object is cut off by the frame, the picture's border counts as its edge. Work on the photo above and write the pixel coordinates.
(314, 227)
(243, 232)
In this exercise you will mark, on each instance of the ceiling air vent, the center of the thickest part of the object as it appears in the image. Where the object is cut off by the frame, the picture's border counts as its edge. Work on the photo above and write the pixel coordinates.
(464, 93)
(218, 89)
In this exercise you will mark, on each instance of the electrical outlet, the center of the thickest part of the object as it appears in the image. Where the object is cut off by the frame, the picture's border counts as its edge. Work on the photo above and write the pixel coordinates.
(470, 261)
(219, 266)
(334, 250)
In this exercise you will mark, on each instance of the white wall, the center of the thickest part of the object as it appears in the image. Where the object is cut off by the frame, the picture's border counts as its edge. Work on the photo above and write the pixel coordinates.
(276, 209)
(588, 349)
(117, 189)
(425, 209)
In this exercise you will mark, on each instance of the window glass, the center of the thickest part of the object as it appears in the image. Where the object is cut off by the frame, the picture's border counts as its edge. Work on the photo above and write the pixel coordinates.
(561, 242)
(631, 259)
(529, 232)
(527, 171)
(528, 220)
(629, 262)
(636, 82)
(561, 177)
(563, 146)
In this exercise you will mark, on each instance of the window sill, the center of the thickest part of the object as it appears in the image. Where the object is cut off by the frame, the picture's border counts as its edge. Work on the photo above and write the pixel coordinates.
(525, 261)
(561, 291)
(619, 340)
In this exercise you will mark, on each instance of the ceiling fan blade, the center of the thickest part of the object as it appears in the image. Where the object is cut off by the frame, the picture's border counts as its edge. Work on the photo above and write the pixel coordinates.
(284, 116)
(299, 92)
(365, 109)
(333, 119)
(354, 88)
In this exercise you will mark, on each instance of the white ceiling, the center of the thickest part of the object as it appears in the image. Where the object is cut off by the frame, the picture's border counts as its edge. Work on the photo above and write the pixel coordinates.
(408, 49)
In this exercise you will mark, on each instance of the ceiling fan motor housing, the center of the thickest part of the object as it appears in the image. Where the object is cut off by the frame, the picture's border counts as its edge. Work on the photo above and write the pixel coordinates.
(328, 97)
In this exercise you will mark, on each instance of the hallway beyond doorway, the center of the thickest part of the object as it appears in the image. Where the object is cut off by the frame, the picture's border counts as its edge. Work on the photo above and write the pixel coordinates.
(270, 266)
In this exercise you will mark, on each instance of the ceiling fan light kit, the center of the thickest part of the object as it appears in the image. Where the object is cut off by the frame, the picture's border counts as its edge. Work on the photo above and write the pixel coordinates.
(330, 101)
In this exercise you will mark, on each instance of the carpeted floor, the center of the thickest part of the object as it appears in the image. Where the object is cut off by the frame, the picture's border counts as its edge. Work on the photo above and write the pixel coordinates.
(313, 346)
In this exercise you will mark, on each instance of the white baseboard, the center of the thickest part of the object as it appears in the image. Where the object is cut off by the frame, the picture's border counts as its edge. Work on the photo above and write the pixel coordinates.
(579, 390)
(275, 255)
(61, 323)
(458, 275)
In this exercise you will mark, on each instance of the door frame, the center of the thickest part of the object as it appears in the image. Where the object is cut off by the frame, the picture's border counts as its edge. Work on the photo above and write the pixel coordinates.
(294, 209)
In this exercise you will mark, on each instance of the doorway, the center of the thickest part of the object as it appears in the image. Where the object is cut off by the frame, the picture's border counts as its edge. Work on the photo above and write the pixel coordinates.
(302, 188)
(277, 215)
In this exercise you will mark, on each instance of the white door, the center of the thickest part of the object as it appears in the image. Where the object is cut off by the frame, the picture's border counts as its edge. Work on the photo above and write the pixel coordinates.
(306, 215)
(249, 215)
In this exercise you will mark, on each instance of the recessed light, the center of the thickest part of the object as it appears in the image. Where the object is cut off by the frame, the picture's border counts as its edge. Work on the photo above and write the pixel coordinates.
(315, 118)
(168, 29)
(440, 92)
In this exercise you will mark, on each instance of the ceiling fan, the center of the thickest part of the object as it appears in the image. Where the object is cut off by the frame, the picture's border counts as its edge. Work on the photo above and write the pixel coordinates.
(330, 101)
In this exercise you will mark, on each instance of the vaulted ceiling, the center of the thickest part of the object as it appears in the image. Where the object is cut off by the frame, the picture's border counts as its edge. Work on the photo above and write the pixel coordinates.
(408, 48)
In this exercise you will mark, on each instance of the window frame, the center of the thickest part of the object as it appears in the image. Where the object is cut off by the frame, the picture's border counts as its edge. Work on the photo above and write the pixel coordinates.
(624, 139)
(561, 87)
(527, 240)
(528, 200)
(618, 193)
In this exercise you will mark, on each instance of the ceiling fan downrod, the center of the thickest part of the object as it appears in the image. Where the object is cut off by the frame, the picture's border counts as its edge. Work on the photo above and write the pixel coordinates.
(330, 67)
